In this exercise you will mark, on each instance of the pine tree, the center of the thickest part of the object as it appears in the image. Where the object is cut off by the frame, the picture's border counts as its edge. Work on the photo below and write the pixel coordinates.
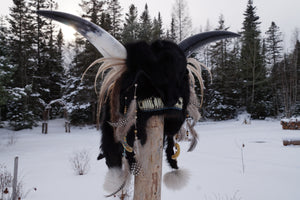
(145, 26)
(255, 94)
(296, 58)
(48, 75)
(105, 22)
(157, 30)
(171, 34)
(273, 44)
(6, 70)
(131, 25)
(222, 102)
(21, 110)
(115, 12)
(80, 95)
(56, 76)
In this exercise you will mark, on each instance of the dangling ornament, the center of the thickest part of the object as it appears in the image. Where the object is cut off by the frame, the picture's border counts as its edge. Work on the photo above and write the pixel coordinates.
(177, 153)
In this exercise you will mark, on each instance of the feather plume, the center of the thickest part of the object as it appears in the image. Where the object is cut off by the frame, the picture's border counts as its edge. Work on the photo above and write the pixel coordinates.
(125, 123)
(110, 71)
(194, 68)
(137, 167)
(193, 106)
(194, 134)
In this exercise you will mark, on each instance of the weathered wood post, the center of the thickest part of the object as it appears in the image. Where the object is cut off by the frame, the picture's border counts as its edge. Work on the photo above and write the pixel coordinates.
(45, 121)
(15, 180)
(147, 185)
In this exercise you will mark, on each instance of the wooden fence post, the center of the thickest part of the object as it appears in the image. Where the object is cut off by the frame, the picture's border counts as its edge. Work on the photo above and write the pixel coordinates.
(15, 180)
(147, 185)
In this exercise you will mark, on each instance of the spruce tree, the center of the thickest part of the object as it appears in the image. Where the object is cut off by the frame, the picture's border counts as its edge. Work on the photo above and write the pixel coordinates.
(145, 26)
(255, 89)
(222, 103)
(21, 110)
(115, 12)
(157, 29)
(80, 95)
(273, 44)
(6, 70)
(173, 36)
(48, 75)
(131, 25)
(296, 56)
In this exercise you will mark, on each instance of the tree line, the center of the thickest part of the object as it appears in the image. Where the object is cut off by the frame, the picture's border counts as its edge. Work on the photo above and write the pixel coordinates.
(250, 73)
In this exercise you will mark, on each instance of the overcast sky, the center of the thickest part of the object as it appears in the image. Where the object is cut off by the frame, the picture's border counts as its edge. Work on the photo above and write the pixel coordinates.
(286, 14)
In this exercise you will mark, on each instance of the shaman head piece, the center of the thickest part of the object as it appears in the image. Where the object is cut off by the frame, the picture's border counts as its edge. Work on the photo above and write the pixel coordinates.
(140, 80)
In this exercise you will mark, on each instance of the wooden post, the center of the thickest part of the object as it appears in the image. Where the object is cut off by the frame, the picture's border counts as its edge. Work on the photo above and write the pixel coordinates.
(15, 180)
(147, 185)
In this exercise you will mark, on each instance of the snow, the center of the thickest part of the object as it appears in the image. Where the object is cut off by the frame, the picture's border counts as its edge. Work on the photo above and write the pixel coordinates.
(271, 170)
(292, 119)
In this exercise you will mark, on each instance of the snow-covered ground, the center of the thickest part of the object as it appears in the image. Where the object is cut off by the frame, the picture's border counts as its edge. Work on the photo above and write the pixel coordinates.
(271, 170)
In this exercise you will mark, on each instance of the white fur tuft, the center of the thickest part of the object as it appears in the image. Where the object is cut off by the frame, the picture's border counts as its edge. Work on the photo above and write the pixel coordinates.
(113, 180)
(176, 179)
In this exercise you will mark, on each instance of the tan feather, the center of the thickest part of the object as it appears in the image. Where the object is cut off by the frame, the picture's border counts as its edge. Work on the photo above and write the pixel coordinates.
(194, 134)
(110, 70)
(125, 123)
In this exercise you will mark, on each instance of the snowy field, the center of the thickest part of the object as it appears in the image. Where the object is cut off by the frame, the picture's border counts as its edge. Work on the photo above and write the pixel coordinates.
(271, 170)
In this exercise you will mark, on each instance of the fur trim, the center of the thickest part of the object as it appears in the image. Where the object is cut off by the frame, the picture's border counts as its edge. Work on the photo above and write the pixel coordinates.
(117, 178)
(114, 179)
(176, 179)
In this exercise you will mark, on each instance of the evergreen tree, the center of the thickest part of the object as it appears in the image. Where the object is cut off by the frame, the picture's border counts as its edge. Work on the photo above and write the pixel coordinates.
(105, 22)
(222, 103)
(255, 89)
(285, 75)
(21, 110)
(157, 30)
(80, 95)
(6, 70)
(296, 58)
(273, 44)
(171, 34)
(131, 25)
(49, 71)
(145, 26)
(114, 10)
(56, 76)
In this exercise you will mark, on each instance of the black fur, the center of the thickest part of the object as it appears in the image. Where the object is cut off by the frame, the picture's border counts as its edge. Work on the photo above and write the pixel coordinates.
(159, 70)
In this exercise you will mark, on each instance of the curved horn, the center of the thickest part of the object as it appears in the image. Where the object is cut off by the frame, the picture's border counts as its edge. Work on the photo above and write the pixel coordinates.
(196, 41)
(106, 44)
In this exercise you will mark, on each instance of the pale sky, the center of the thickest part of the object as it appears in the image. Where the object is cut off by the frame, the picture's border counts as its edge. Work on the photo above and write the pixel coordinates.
(286, 14)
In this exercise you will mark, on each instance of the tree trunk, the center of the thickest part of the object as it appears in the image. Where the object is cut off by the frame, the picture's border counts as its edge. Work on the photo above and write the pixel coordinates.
(147, 185)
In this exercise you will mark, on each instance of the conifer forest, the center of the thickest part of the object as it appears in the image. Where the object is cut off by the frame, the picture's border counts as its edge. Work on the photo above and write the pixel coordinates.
(40, 69)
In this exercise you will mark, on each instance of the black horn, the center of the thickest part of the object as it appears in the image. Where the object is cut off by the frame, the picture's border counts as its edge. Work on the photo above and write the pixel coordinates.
(189, 45)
